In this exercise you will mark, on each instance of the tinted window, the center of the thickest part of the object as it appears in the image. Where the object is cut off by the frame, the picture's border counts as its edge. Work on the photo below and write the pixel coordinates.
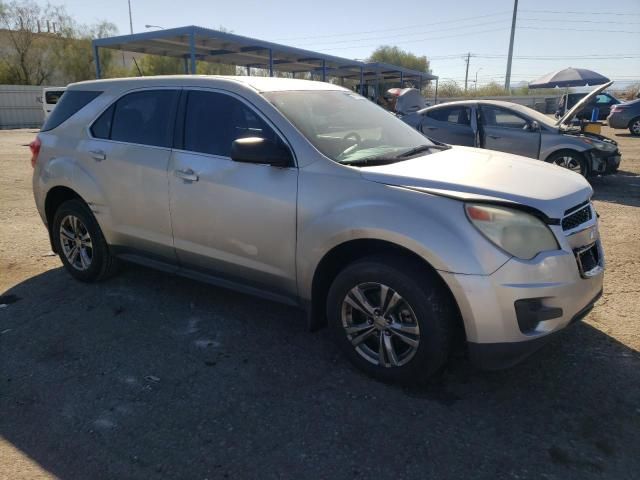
(145, 117)
(53, 96)
(69, 104)
(101, 128)
(214, 120)
(499, 117)
(604, 99)
(459, 115)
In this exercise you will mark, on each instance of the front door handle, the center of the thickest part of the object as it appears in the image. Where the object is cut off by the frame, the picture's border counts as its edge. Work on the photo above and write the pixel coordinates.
(187, 175)
(495, 137)
(98, 155)
(432, 128)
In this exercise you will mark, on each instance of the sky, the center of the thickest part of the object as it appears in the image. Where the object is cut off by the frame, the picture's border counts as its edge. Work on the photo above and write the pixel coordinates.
(550, 35)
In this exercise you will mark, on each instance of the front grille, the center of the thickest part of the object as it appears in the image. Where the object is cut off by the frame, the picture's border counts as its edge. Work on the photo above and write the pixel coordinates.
(577, 218)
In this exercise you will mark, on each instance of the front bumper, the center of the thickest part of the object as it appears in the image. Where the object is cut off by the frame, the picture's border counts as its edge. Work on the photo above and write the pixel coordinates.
(602, 163)
(495, 356)
(496, 334)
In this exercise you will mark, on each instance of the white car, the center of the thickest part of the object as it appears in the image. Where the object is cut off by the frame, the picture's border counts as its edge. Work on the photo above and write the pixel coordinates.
(50, 97)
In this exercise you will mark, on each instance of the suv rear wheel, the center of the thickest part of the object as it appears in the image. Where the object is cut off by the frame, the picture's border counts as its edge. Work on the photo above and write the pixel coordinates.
(391, 318)
(80, 243)
(634, 126)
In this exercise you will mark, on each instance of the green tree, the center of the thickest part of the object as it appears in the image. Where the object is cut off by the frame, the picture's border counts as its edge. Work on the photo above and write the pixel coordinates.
(397, 56)
(45, 44)
(73, 53)
(25, 59)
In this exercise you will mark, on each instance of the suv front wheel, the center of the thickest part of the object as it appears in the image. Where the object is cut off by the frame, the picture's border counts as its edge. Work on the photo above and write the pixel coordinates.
(80, 243)
(391, 318)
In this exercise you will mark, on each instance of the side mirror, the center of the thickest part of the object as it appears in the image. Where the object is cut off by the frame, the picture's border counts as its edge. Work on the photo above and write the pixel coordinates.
(260, 151)
(533, 126)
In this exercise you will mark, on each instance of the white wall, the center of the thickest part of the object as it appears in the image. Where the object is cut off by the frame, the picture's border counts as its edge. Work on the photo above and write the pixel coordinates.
(19, 106)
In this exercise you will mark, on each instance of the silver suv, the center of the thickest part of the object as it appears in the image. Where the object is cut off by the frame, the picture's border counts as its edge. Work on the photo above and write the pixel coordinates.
(306, 193)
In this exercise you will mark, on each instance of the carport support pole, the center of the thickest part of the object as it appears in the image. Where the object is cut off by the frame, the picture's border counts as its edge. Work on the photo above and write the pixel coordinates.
(270, 62)
(192, 52)
(96, 57)
(401, 80)
(361, 80)
(324, 71)
(186, 65)
(435, 98)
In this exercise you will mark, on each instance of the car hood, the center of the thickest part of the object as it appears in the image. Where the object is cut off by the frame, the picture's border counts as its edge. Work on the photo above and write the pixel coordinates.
(483, 175)
(580, 105)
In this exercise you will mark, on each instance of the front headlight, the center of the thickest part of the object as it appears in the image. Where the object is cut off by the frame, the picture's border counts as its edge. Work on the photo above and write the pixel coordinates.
(517, 233)
(603, 146)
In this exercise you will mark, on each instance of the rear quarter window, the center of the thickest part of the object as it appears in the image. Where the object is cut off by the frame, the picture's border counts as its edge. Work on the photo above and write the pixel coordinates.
(70, 103)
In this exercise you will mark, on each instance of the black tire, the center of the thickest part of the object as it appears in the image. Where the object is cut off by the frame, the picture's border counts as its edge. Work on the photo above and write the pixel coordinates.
(427, 299)
(102, 262)
(570, 157)
(634, 127)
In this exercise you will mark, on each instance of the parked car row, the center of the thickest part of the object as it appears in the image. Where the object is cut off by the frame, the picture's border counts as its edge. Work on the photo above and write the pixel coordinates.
(306, 193)
(513, 128)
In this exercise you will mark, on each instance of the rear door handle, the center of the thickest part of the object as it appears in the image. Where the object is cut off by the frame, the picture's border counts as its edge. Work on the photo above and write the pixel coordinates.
(187, 175)
(495, 137)
(432, 128)
(98, 155)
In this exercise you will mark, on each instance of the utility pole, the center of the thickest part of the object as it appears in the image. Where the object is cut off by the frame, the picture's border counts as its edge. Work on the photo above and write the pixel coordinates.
(507, 79)
(466, 75)
(130, 19)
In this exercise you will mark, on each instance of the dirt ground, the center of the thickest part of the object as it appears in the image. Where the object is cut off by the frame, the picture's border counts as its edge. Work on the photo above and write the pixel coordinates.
(153, 376)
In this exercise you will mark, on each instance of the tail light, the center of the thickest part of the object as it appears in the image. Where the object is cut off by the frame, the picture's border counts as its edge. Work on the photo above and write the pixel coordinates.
(35, 151)
(617, 108)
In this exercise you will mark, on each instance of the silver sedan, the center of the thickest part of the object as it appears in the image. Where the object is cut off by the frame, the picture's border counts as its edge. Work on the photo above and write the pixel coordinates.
(509, 127)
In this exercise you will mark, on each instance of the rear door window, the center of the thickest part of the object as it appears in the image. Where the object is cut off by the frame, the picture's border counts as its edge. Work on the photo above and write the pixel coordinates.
(503, 118)
(70, 103)
(214, 120)
(145, 118)
(458, 115)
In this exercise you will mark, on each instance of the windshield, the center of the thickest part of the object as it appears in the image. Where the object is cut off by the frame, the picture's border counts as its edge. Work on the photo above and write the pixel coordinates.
(346, 127)
(535, 115)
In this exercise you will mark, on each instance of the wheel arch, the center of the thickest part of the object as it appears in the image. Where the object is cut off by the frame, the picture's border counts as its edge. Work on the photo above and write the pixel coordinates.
(55, 197)
(349, 251)
(637, 117)
(582, 154)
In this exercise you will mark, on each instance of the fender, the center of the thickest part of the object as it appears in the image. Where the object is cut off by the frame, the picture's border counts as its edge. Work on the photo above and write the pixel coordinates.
(396, 215)
(68, 172)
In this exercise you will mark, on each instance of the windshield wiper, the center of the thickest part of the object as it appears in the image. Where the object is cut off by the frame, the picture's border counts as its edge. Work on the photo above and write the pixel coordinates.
(422, 148)
(360, 162)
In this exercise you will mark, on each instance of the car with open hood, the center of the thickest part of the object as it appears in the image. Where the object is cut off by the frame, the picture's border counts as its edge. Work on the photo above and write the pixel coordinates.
(513, 128)
(309, 194)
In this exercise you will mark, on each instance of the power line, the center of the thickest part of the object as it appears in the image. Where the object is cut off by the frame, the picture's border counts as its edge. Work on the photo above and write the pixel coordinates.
(583, 30)
(398, 36)
(405, 27)
(583, 12)
(493, 30)
(564, 20)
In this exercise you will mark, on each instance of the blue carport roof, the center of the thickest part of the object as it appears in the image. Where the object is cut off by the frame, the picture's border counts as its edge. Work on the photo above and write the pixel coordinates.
(222, 47)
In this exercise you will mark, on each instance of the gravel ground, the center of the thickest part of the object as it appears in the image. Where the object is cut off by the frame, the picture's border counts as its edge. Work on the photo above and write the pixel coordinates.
(153, 376)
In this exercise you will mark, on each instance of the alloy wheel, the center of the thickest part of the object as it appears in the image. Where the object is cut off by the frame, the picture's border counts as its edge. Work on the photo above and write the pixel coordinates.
(635, 127)
(380, 324)
(76, 242)
(567, 161)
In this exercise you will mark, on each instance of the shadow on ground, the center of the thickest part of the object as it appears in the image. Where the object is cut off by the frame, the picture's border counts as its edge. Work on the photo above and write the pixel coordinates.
(622, 188)
(152, 376)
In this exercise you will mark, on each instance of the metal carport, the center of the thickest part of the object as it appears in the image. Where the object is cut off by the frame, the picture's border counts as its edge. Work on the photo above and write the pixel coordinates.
(194, 43)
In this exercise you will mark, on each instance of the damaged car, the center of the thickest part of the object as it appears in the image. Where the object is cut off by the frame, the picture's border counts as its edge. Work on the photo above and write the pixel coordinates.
(512, 128)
